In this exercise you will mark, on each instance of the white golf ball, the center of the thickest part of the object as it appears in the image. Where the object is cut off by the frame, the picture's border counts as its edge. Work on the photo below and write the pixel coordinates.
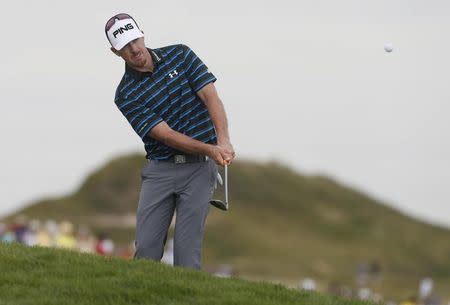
(388, 47)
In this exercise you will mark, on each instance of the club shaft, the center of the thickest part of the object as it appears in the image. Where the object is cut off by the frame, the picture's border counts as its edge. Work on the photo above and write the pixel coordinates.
(226, 183)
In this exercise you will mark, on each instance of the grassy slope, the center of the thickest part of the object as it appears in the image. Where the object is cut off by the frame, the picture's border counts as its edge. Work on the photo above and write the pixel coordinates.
(49, 276)
(282, 225)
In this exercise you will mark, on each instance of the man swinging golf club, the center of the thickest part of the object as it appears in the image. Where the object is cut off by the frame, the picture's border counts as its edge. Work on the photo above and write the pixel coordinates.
(168, 96)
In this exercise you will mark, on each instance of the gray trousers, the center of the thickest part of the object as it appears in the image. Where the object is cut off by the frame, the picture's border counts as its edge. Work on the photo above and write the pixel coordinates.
(168, 187)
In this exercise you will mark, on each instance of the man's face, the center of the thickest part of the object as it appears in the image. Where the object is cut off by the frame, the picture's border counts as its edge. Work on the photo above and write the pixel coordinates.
(134, 53)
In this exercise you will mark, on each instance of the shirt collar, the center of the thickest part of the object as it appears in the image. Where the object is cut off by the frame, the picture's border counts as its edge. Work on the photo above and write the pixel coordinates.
(156, 58)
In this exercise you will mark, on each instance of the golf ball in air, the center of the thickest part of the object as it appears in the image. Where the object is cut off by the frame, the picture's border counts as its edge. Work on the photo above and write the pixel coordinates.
(388, 47)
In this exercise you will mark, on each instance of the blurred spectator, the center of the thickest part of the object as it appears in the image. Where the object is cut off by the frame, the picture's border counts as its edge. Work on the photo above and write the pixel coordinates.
(65, 238)
(30, 236)
(375, 271)
(362, 274)
(85, 242)
(308, 284)
(364, 293)
(42, 237)
(104, 246)
(425, 288)
(20, 228)
(8, 236)
(3, 228)
(52, 230)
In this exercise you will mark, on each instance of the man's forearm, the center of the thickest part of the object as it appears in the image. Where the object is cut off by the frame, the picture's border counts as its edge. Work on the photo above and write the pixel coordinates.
(186, 144)
(218, 116)
(163, 133)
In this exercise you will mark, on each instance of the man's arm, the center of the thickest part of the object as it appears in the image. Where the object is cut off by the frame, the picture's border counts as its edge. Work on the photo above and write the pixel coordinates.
(163, 133)
(145, 123)
(201, 81)
(208, 94)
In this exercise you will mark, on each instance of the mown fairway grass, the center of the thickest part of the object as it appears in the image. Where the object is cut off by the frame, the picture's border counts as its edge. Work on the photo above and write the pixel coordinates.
(51, 276)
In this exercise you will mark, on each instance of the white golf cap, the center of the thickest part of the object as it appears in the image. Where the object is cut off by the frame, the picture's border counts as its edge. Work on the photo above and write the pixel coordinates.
(121, 29)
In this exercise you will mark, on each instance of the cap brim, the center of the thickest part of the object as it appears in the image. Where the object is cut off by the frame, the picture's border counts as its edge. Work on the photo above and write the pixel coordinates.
(123, 42)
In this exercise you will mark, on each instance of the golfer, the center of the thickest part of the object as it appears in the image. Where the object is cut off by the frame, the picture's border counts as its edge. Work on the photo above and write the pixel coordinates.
(168, 96)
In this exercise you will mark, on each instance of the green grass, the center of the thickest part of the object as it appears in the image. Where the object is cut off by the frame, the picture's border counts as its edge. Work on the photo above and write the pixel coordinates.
(37, 276)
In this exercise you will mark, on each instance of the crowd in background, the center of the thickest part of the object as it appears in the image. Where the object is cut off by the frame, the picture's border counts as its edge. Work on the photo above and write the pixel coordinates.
(65, 235)
(368, 276)
(60, 235)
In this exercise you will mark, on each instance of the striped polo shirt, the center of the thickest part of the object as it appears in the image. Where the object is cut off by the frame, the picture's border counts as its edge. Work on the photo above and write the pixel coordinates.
(167, 94)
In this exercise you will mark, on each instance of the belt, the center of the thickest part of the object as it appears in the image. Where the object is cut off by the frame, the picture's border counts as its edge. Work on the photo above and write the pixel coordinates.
(179, 159)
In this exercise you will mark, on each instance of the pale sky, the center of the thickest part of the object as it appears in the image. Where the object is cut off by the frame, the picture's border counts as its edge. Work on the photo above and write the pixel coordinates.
(304, 82)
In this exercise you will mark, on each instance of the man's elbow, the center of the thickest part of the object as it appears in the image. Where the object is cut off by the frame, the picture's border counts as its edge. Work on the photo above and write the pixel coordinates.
(162, 133)
(212, 101)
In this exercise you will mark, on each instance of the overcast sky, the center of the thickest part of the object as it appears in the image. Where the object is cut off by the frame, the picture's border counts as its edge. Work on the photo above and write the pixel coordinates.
(304, 82)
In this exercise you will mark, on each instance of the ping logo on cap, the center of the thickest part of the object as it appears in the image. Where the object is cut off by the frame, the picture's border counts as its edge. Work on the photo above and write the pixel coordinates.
(120, 30)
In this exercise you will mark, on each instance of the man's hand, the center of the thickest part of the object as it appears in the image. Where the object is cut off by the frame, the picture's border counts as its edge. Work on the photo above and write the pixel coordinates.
(229, 150)
(219, 154)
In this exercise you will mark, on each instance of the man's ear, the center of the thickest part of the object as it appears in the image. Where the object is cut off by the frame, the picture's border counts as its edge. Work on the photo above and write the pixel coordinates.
(115, 51)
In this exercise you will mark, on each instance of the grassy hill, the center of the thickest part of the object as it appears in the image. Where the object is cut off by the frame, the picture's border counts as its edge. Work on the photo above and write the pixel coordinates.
(282, 226)
(38, 276)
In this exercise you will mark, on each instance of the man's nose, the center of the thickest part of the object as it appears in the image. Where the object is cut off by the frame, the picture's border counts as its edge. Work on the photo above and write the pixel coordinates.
(133, 46)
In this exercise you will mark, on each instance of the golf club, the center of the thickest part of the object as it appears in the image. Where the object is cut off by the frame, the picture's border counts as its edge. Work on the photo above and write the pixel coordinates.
(219, 203)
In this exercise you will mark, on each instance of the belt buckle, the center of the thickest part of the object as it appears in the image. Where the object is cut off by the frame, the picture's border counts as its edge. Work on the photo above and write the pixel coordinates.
(180, 159)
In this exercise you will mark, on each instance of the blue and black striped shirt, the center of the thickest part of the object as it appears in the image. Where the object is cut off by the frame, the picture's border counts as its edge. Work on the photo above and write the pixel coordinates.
(167, 94)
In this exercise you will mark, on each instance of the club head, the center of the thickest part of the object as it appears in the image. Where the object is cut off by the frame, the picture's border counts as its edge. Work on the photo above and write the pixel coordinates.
(219, 204)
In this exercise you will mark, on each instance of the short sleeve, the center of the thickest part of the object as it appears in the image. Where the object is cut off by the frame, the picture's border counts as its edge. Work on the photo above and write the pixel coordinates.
(196, 71)
(141, 118)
